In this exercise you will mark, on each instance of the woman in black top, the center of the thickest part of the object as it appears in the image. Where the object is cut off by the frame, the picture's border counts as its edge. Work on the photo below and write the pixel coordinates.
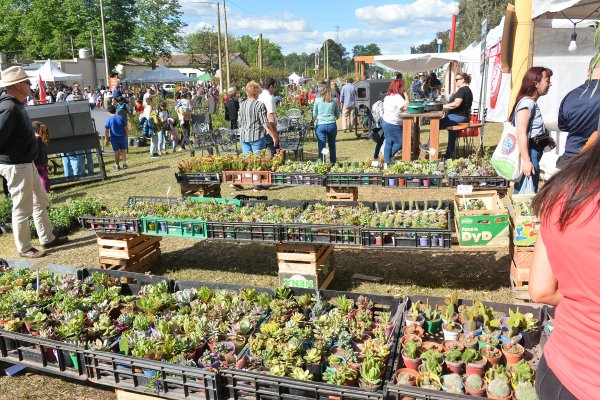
(458, 109)
(232, 107)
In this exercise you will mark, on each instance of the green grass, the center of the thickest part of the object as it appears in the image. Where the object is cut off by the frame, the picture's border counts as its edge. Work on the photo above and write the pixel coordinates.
(480, 274)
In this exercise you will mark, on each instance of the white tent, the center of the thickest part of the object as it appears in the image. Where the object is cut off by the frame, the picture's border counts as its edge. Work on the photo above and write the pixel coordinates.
(51, 73)
(294, 78)
(414, 63)
(558, 9)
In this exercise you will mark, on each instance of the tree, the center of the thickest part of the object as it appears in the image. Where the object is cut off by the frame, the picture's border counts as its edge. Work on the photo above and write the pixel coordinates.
(432, 47)
(338, 56)
(471, 14)
(371, 49)
(157, 30)
(247, 46)
(241, 75)
(205, 43)
(298, 63)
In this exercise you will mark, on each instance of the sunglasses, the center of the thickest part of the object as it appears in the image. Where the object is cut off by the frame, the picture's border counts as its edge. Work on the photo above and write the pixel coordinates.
(458, 79)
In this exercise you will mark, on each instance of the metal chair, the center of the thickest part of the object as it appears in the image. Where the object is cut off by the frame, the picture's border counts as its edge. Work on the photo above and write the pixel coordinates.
(293, 140)
(203, 138)
(293, 114)
(226, 141)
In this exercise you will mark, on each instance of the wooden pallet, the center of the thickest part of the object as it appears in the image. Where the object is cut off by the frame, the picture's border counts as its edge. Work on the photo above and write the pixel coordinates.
(303, 258)
(341, 193)
(200, 189)
(129, 252)
(520, 292)
(521, 261)
(126, 395)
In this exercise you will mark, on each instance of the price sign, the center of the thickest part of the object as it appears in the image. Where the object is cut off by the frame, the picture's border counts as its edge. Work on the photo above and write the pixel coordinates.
(464, 189)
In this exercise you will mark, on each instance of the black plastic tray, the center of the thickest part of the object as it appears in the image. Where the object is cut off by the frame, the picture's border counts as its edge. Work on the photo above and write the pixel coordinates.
(244, 231)
(479, 182)
(133, 200)
(110, 224)
(301, 204)
(381, 206)
(169, 381)
(348, 179)
(198, 178)
(343, 235)
(413, 181)
(297, 179)
(50, 356)
(131, 282)
(421, 239)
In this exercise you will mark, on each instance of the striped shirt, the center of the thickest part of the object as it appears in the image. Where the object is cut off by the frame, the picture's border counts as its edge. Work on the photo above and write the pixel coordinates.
(251, 118)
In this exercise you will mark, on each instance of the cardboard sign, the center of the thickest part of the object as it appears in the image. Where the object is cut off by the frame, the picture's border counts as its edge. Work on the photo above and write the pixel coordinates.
(464, 189)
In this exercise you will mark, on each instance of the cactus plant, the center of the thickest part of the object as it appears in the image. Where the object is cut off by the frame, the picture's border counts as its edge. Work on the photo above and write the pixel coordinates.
(499, 389)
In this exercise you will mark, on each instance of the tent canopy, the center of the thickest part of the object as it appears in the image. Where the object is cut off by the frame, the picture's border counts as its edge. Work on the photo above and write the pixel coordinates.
(205, 77)
(132, 77)
(573, 9)
(164, 75)
(294, 78)
(51, 73)
(413, 63)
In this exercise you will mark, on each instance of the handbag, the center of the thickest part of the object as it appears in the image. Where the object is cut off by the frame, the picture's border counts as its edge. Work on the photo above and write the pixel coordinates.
(506, 159)
(375, 134)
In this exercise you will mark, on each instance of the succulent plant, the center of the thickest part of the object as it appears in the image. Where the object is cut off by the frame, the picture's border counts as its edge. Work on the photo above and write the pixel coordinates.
(474, 381)
(499, 388)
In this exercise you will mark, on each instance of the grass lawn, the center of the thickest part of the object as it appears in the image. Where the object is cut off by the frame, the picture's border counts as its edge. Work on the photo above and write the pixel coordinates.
(480, 274)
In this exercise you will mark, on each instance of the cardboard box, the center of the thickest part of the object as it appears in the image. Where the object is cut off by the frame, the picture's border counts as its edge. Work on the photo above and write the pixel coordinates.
(487, 227)
(524, 228)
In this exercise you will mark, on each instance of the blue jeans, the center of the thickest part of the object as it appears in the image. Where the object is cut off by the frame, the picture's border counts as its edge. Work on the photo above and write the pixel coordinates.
(255, 146)
(451, 120)
(73, 164)
(89, 162)
(379, 145)
(270, 144)
(326, 134)
(393, 140)
(535, 153)
(162, 140)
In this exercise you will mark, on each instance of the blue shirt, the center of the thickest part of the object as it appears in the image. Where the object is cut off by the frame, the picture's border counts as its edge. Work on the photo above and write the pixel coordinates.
(326, 112)
(578, 115)
(116, 124)
(347, 97)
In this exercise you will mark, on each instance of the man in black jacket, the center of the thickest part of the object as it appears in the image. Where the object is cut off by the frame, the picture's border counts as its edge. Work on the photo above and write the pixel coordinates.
(18, 148)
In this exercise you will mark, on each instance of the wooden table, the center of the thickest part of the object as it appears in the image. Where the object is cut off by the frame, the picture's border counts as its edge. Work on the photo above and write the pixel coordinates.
(411, 130)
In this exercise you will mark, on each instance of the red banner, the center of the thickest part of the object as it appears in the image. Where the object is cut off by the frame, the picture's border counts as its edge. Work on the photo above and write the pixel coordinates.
(494, 54)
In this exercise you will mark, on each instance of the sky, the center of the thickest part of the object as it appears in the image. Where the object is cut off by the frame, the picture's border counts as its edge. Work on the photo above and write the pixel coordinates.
(303, 25)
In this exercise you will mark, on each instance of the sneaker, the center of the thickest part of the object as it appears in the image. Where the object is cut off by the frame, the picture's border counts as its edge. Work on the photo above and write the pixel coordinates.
(116, 168)
(58, 241)
(424, 147)
(32, 253)
(154, 155)
(260, 187)
(125, 166)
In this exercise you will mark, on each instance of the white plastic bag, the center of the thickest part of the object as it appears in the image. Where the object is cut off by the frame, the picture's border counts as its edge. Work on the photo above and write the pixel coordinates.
(548, 165)
(506, 159)
(527, 186)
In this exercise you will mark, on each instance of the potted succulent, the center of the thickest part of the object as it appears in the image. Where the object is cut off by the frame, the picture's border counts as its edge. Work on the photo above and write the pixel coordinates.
(412, 338)
(449, 309)
(474, 385)
(521, 373)
(451, 330)
(454, 361)
(432, 346)
(413, 330)
(498, 390)
(452, 383)
(406, 376)
(413, 316)
(491, 354)
(486, 340)
(432, 362)
(411, 355)
(525, 392)
(371, 372)
(302, 375)
(474, 362)
(428, 380)
(433, 321)
(497, 371)
(469, 340)
(313, 358)
(450, 345)
(513, 352)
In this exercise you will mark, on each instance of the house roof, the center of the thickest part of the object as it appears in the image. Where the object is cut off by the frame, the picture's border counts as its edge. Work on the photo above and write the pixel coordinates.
(185, 60)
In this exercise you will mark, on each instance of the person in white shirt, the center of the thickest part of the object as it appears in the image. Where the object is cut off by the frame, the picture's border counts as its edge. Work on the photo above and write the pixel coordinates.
(267, 97)
(394, 104)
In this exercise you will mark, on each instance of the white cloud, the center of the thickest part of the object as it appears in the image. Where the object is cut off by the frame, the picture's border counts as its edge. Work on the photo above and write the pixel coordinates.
(284, 22)
(389, 14)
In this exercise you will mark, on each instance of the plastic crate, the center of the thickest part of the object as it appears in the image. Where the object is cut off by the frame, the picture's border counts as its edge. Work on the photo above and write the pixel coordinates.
(402, 181)
(301, 204)
(50, 356)
(110, 224)
(479, 182)
(344, 235)
(238, 384)
(297, 179)
(335, 179)
(198, 178)
(381, 206)
(398, 392)
(217, 200)
(133, 200)
(247, 177)
(244, 231)
(174, 227)
(352, 204)
(169, 381)
(131, 282)
(421, 239)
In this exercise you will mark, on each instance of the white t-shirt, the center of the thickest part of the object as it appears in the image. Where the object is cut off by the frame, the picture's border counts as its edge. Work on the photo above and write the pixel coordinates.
(147, 110)
(146, 95)
(392, 107)
(269, 100)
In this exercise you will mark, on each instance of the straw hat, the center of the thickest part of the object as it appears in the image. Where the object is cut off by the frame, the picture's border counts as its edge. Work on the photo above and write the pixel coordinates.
(12, 75)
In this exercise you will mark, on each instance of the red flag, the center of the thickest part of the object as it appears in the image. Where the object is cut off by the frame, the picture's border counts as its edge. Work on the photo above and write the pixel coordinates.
(42, 91)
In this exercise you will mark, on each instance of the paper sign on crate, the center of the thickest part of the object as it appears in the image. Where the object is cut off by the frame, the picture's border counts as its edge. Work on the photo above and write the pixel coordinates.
(525, 228)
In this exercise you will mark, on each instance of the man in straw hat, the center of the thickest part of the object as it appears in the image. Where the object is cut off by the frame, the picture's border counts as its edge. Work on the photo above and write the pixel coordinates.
(18, 149)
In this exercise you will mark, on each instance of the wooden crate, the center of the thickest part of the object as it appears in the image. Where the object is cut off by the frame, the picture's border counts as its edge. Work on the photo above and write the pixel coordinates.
(126, 395)
(200, 190)
(521, 261)
(129, 252)
(520, 292)
(341, 193)
(302, 258)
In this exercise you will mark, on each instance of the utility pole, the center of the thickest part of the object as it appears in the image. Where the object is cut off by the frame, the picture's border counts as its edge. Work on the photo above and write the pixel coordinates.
(326, 59)
(210, 49)
(72, 48)
(104, 44)
(219, 47)
(94, 70)
(260, 52)
(226, 46)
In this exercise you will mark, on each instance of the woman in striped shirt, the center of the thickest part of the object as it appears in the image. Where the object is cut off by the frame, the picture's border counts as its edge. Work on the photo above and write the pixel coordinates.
(253, 123)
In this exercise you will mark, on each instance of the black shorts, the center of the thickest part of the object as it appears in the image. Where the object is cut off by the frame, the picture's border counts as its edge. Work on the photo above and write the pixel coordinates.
(547, 385)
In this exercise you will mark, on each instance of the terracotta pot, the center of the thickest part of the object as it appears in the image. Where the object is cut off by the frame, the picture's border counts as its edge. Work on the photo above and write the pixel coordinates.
(468, 340)
(411, 363)
(418, 330)
(491, 396)
(455, 367)
(417, 339)
(447, 345)
(491, 360)
(476, 392)
(401, 181)
(477, 367)
(412, 372)
(513, 358)
(432, 346)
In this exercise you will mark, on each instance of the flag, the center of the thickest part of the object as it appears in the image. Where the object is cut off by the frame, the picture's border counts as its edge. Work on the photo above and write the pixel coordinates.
(42, 91)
